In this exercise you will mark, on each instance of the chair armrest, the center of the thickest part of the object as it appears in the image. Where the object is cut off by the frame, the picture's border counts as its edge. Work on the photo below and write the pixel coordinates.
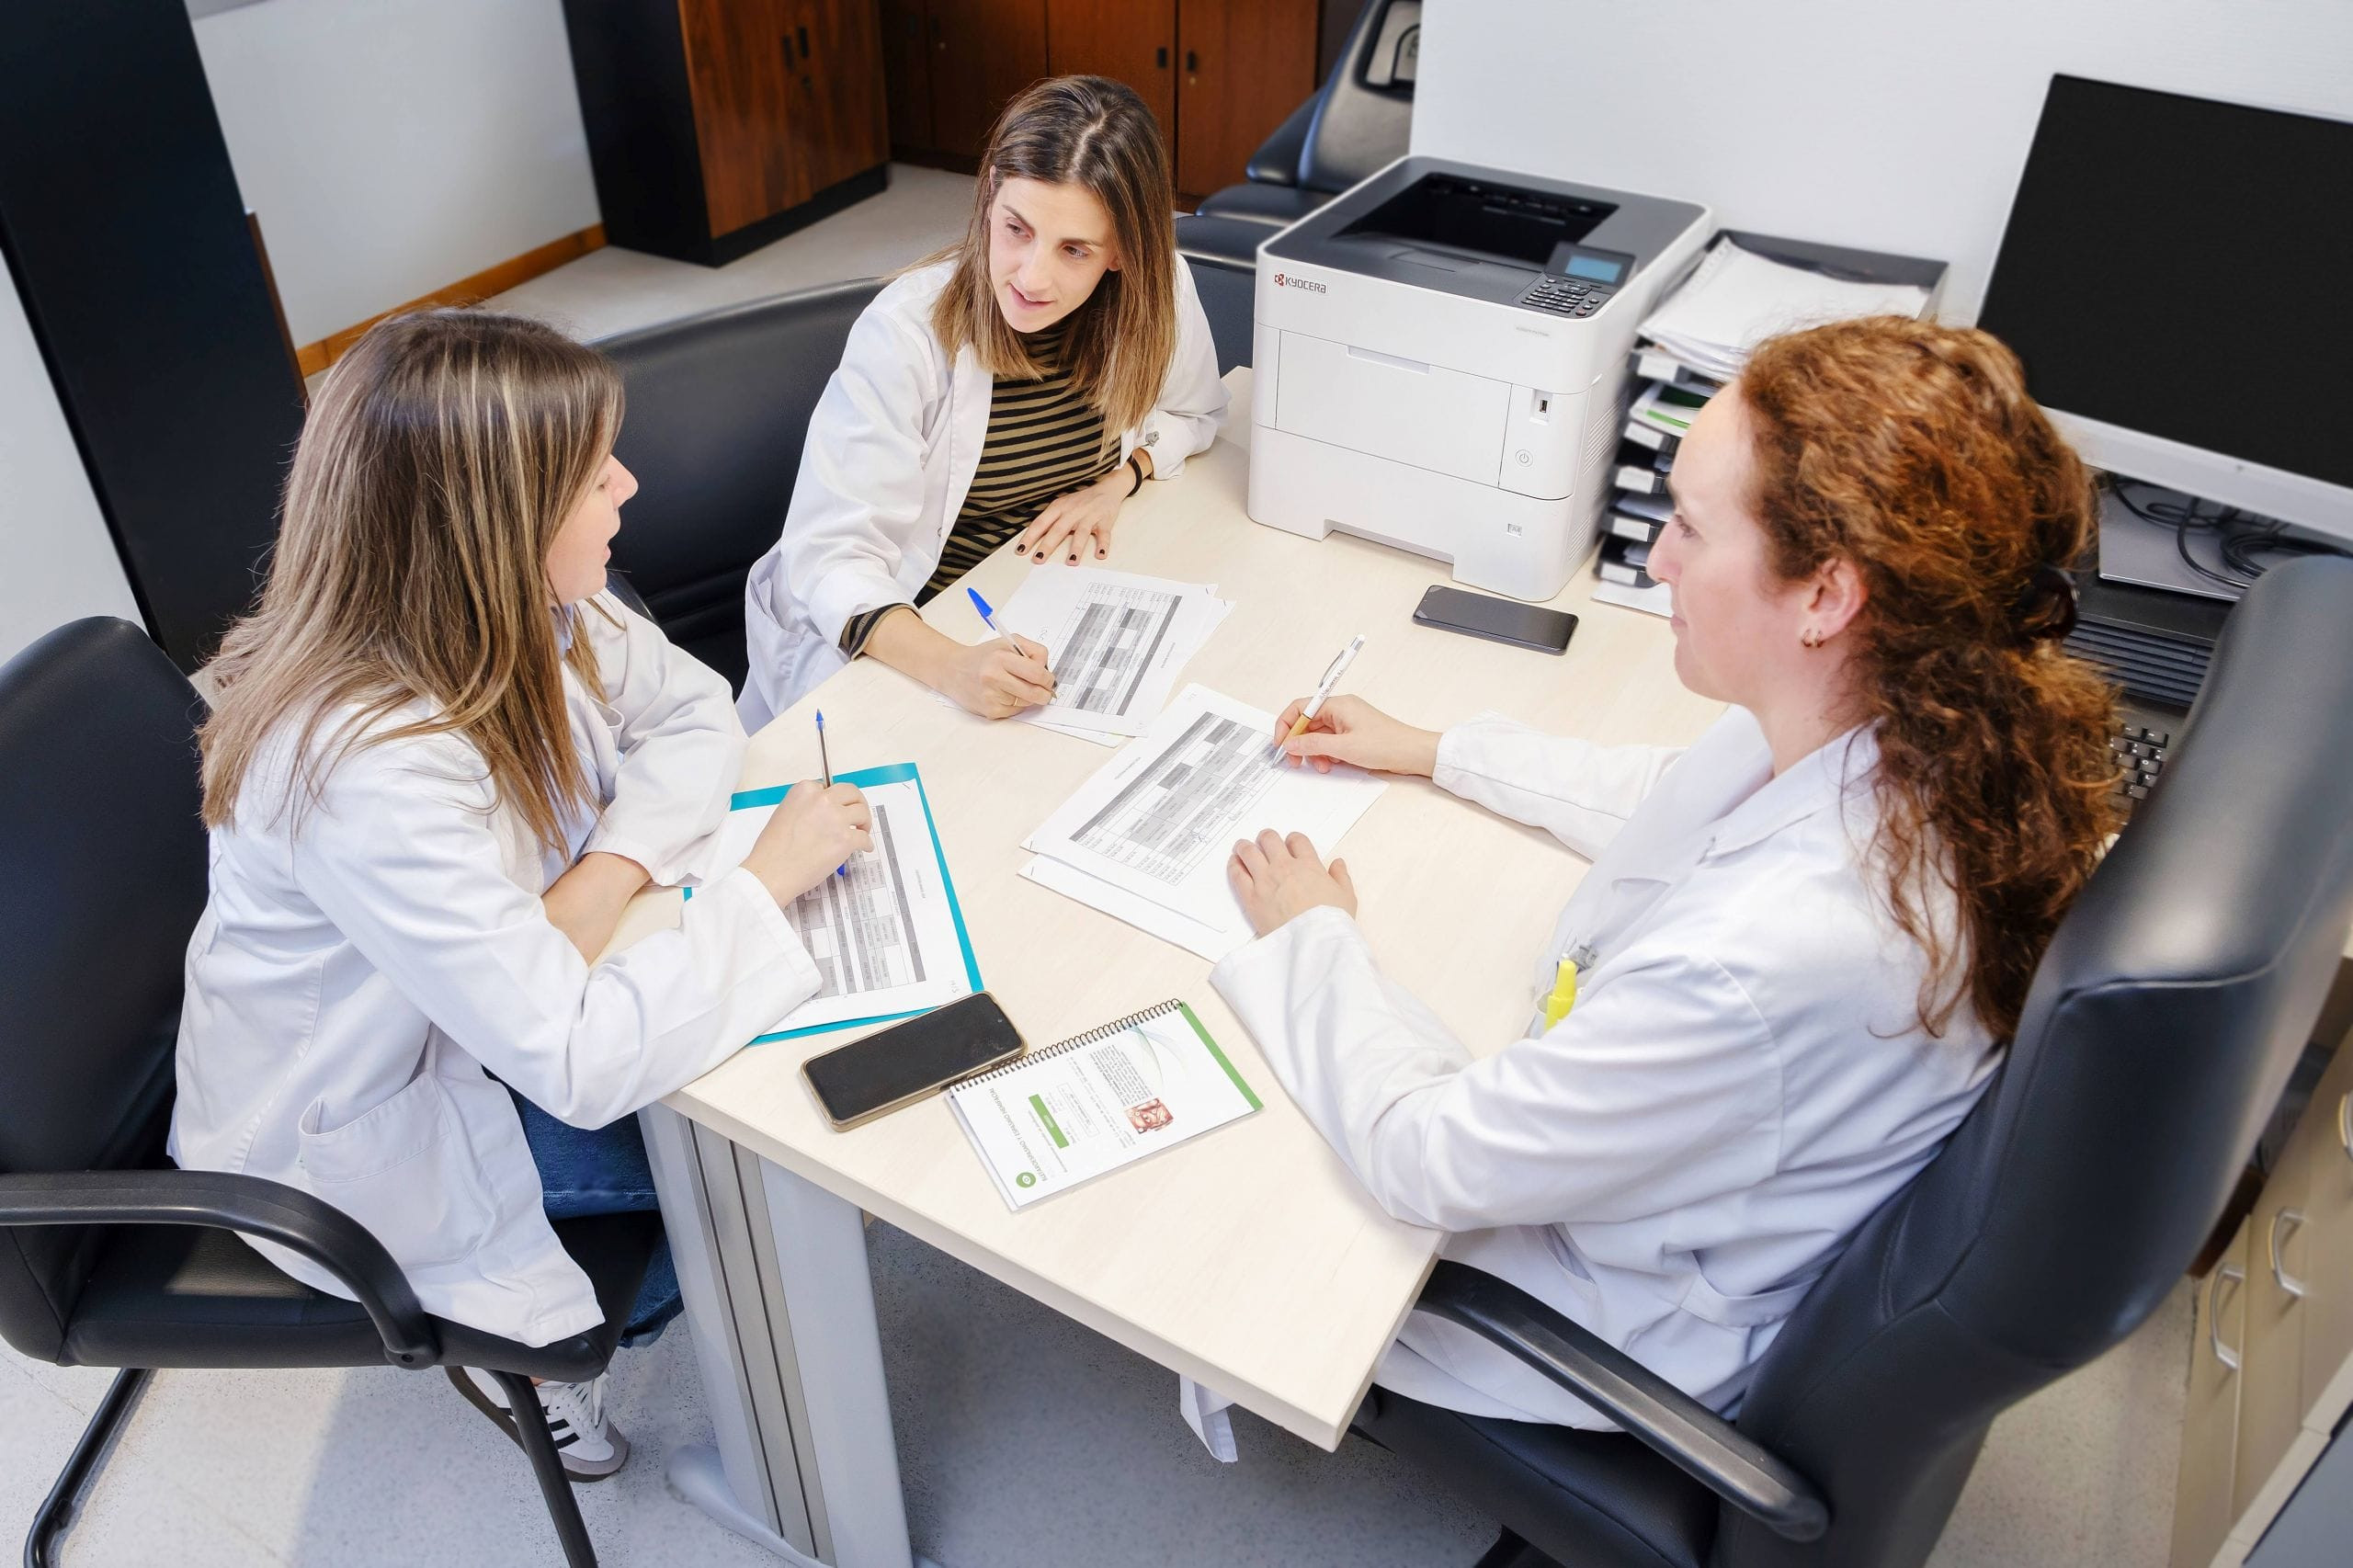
(1277, 160)
(1697, 1440)
(251, 1206)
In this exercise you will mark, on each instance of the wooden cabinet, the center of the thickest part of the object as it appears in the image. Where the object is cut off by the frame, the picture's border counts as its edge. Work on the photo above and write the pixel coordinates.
(1247, 63)
(715, 125)
(1129, 40)
(1219, 75)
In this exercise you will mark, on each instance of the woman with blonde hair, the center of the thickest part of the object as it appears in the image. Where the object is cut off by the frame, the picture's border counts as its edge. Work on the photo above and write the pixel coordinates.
(1803, 939)
(439, 761)
(1021, 384)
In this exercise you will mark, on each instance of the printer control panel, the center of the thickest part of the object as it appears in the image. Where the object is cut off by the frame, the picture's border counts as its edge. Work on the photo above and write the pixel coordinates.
(1566, 296)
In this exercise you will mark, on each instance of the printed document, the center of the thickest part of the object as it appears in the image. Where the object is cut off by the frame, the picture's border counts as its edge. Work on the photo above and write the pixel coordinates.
(1115, 640)
(885, 932)
(1149, 835)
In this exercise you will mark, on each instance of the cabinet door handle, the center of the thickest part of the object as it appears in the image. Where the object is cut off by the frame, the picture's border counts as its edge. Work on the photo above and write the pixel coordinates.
(1192, 60)
(803, 33)
(2291, 1219)
(2345, 1123)
(786, 42)
(2223, 1353)
(1160, 62)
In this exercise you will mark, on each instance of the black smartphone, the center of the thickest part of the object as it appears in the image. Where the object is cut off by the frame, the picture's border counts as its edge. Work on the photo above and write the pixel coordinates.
(1498, 620)
(890, 1068)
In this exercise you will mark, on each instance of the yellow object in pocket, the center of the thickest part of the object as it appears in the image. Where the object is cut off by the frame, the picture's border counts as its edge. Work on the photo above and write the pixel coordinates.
(1564, 993)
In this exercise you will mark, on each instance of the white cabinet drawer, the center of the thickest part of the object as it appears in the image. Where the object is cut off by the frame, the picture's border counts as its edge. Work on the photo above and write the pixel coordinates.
(2201, 1508)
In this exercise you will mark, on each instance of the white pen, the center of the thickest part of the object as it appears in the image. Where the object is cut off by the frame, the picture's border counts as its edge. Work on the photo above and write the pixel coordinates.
(1331, 678)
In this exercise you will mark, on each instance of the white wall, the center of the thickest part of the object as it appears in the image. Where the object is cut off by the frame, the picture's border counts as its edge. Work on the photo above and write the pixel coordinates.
(57, 562)
(393, 147)
(1895, 124)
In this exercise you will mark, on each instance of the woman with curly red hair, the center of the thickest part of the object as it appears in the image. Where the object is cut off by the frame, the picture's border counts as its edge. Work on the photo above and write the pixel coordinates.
(1803, 940)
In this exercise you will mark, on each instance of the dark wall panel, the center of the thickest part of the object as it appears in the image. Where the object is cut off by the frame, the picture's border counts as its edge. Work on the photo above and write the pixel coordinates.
(120, 220)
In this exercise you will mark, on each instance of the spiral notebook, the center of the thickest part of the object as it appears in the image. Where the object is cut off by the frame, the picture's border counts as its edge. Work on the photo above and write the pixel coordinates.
(1069, 1112)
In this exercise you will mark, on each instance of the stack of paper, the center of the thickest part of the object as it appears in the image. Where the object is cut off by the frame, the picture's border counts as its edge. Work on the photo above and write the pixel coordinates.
(1147, 838)
(1738, 299)
(1115, 640)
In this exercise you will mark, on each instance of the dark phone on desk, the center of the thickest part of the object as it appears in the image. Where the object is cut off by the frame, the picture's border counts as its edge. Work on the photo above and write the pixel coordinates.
(1498, 620)
(859, 1081)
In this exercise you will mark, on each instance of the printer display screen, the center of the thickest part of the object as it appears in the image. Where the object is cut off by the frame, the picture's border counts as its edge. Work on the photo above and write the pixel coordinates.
(1598, 269)
(1481, 217)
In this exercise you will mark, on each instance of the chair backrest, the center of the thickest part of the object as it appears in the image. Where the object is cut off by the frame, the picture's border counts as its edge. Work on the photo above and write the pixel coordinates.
(105, 857)
(1229, 295)
(719, 404)
(2163, 1023)
(1364, 116)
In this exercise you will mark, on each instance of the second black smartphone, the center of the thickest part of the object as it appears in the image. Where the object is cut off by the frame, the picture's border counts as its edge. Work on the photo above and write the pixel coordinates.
(892, 1067)
(1498, 620)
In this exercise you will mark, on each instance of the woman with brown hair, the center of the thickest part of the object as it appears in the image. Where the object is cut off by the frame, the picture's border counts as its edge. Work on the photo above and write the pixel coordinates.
(1022, 383)
(1803, 941)
(440, 759)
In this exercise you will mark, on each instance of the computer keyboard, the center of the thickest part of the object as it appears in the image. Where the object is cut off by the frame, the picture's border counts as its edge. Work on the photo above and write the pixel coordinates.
(2140, 751)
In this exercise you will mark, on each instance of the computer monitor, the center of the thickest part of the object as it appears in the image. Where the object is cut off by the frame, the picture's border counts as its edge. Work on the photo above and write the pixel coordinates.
(2174, 278)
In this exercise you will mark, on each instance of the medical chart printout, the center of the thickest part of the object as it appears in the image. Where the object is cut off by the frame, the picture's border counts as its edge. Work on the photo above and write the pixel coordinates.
(1115, 640)
(885, 933)
(1070, 1112)
(1146, 839)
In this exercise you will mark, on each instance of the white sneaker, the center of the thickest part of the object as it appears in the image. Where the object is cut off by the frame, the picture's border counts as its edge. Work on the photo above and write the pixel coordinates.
(592, 1448)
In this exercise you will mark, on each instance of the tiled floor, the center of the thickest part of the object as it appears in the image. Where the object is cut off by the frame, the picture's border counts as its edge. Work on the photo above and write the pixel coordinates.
(1024, 1440)
(612, 289)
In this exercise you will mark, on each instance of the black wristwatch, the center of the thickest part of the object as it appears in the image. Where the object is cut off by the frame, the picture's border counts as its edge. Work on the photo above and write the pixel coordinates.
(1139, 468)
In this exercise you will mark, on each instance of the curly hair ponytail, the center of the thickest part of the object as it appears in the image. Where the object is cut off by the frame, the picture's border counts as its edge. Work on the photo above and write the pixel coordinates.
(1913, 451)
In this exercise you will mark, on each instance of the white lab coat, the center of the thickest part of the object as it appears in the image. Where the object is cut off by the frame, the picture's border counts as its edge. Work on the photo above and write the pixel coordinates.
(353, 982)
(890, 454)
(1743, 1081)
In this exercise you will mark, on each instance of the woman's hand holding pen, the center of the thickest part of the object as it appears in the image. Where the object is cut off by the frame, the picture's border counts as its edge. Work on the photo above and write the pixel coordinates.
(1349, 729)
(998, 678)
(816, 828)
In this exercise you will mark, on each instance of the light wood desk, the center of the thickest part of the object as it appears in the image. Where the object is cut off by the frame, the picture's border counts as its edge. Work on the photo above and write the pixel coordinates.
(1249, 1259)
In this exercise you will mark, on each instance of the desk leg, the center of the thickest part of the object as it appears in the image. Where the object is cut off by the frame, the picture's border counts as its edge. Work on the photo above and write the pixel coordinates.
(774, 1272)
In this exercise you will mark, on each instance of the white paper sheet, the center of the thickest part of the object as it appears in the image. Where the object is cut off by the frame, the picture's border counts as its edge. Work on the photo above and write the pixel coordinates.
(1115, 640)
(1158, 820)
(1738, 299)
(884, 935)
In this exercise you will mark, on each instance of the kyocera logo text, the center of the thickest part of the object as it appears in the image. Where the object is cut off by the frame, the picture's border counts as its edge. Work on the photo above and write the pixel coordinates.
(1285, 280)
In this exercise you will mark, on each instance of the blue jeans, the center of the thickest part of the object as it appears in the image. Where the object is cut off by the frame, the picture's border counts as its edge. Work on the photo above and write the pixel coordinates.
(604, 1172)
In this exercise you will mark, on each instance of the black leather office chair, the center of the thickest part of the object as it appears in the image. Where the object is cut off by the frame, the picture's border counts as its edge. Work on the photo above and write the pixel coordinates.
(718, 407)
(109, 1256)
(1357, 122)
(2161, 1026)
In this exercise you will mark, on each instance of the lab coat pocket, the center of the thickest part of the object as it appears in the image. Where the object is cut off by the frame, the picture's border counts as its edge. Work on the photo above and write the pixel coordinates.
(405, 1171)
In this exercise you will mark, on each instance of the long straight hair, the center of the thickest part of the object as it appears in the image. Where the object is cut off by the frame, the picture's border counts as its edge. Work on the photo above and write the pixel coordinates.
(1095, 133)
(441, 456)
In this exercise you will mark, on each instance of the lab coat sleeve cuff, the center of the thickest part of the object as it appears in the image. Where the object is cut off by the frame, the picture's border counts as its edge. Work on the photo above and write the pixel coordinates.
(1232, 974)
(740, 889)
(1458, 771)
(846, 591)
(632, 846)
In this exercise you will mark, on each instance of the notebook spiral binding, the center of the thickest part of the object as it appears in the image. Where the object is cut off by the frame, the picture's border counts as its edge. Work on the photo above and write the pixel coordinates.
(1093, 1037)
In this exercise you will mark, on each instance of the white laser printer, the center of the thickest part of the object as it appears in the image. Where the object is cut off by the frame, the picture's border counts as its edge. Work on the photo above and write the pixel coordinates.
(1441, 361)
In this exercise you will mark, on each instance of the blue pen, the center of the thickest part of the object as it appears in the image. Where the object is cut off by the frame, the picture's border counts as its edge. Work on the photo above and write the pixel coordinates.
(827, 765)
(988, 616)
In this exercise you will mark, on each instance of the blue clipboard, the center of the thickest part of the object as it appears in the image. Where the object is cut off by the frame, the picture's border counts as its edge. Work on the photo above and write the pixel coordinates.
(866, 778)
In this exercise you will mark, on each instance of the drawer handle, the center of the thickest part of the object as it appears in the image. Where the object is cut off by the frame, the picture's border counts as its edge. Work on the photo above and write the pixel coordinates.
(2345, 1123)
(2223, 1353)
(2291, 1218)
(1395, 363)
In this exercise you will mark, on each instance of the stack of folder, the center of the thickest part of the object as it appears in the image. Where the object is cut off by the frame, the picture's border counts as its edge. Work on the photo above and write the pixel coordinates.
(1748, 287)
